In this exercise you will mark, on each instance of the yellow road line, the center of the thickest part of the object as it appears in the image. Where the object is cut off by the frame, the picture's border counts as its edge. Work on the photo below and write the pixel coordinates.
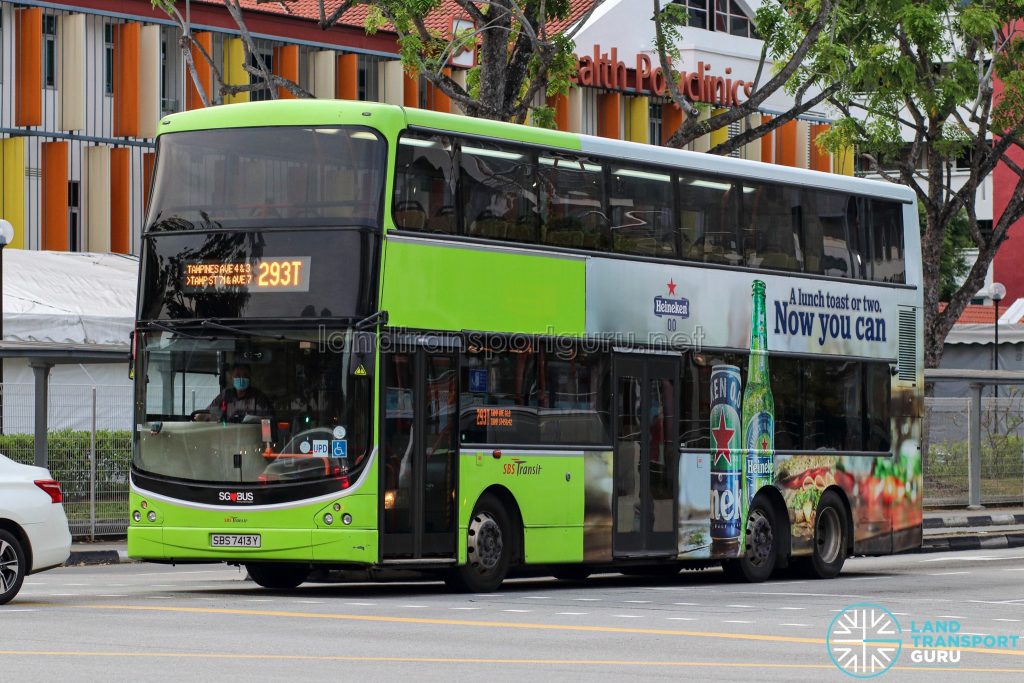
(511, 625)
(250, 656)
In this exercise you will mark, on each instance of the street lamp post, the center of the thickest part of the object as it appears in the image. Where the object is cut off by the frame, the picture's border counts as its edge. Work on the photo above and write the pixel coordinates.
(6, 236)
(996, 291)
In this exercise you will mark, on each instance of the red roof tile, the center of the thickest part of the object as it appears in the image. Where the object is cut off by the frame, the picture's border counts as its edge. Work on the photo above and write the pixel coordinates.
(974, 313)
(440, 20)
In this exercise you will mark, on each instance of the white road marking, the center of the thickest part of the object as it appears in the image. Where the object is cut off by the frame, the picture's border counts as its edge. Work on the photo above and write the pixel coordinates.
(537, 597)
(794, 624)
(1013, 569)
(947, 573)
(488, 595)
(63, 595)
(973, 558)
(901, 614)
(792, 608)
(158, 597)
(741, 606)
(179, 573)
(518, 611)
(967, 633)
(413, 606)
(362, 604)
(687, 604)
(113, 595)
(1010, 620)
(573, 614)
(8, 611)
(638, 602)
(949, 616)
(258, 600)
(627, 616)
(682, 618)
(310, 602)
(588, 599)
(736, 621)
(867, 578)
(75, 585)
(468, 608)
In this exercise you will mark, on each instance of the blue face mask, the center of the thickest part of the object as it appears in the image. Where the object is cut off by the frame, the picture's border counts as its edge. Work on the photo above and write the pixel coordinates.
(241, 383)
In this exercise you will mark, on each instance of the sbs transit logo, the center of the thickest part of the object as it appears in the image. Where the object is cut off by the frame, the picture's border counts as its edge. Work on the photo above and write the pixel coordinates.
(864, 640)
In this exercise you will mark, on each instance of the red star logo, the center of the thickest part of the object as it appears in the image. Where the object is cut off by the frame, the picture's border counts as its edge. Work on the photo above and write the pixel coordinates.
(764, 443)
(722, 438)
(671, 287)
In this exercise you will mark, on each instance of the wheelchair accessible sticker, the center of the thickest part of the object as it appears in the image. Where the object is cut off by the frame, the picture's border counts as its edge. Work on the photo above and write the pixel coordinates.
(339, 448)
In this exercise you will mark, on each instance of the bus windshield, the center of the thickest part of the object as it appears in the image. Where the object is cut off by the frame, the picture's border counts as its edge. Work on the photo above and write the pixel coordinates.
(237, 408)
(264, 177)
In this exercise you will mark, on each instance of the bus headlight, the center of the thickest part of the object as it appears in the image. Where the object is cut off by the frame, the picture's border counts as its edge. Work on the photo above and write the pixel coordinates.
(328, 518)
(137, 516)
(151, 516)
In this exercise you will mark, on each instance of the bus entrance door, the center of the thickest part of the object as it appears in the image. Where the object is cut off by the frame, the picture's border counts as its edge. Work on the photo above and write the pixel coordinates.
(646, 455)
(419, 423)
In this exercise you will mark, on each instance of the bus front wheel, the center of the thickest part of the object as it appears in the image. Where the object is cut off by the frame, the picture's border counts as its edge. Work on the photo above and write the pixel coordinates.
(489, 547)
(760, 545)
(278, 576)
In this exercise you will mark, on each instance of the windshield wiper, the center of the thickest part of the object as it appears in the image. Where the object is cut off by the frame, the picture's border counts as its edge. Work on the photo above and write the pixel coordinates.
(239, 330)
(168, 328)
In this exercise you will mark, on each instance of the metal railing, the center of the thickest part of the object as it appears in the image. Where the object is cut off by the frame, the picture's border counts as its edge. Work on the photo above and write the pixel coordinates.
(947, 459)
(88, 448)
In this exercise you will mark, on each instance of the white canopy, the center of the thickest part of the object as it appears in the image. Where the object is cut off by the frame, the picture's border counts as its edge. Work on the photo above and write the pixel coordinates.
(976, 333)
(68, 298)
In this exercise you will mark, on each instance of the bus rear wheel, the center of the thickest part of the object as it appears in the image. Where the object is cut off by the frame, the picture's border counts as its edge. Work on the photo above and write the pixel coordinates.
(490, 544)
(831, 538)
(278, 576)
(760, 550)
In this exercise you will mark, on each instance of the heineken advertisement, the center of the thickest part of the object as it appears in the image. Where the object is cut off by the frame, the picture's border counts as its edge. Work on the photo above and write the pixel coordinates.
(758, 406)
(686, 306)
(726, 463)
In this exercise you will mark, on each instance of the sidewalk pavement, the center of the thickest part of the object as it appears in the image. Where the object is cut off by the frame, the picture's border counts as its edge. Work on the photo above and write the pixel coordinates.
(945, 529)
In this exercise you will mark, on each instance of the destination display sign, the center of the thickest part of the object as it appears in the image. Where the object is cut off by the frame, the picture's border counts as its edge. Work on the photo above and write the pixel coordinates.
(280, 274)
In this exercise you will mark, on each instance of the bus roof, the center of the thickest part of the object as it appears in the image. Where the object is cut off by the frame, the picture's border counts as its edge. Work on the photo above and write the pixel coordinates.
(334, 112)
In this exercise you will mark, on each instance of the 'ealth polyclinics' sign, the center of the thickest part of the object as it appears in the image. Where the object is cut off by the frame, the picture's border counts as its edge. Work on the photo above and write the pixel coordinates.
(605, 70)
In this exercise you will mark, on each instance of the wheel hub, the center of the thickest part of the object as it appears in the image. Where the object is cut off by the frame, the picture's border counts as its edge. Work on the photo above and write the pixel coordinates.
(8, 566)
(760, 541)
(485, 541)
(827, 534)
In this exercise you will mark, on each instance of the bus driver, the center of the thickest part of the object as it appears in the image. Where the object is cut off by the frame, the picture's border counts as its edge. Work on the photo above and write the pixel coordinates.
(239, 399)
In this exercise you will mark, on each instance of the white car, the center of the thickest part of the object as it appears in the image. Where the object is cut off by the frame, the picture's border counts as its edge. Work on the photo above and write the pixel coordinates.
(34, 531)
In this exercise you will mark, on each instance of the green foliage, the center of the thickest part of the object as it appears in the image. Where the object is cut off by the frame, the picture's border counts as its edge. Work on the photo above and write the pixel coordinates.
(953, 265)
(68, 454)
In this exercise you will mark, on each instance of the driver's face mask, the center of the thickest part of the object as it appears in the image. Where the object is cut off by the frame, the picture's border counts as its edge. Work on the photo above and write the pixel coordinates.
(241, 383)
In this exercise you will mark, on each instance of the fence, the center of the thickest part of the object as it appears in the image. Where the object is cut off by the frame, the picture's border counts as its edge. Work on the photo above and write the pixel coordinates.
(89, 449)
(947, 435)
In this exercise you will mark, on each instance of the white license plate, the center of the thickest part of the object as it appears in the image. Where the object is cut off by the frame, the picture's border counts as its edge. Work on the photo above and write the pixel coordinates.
(235, 540)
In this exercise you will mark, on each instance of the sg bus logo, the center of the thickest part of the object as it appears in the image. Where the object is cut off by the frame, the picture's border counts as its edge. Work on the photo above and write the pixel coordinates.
(235, 496)
(864, 640)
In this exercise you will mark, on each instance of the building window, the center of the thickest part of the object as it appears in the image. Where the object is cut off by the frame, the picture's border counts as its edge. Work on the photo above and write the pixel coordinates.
(74, 215)
(262, 94)
(725, 16)
(108, 59)
(49, 50)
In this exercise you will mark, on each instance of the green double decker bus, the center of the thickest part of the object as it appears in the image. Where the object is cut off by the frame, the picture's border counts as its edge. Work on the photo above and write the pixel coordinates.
(376, 337)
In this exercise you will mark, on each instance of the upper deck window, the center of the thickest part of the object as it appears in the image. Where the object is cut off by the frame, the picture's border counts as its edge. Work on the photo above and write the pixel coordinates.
(262, 177)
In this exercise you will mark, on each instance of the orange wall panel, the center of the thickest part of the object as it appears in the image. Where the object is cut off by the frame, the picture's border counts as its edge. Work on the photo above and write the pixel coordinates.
(767, 143)
(820, 159)
(286, 65)
(609, 115)
(120, 200)
(411, 90)
(439, 101)
(785, 144)
(560, 103)
(126, 79)
(671, 120)
(28, 67)
(347, 77)
(192, 99)
(55, 196)
(148, 159)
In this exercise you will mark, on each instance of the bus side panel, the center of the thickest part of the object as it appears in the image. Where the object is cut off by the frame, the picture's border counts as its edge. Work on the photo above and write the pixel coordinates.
(549, 490)
(461, 287)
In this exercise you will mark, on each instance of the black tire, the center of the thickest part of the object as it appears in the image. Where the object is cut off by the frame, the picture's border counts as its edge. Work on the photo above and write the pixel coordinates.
(761, 545)
(13, 566)
(490, 546)
(831, 539)
(572, 573)
(278, 576)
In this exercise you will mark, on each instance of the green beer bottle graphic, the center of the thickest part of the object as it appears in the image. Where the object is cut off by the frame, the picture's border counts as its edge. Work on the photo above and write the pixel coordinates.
(758, 407)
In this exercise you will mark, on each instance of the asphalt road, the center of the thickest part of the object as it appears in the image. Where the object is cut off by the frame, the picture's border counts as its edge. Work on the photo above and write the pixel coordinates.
(207, 623)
